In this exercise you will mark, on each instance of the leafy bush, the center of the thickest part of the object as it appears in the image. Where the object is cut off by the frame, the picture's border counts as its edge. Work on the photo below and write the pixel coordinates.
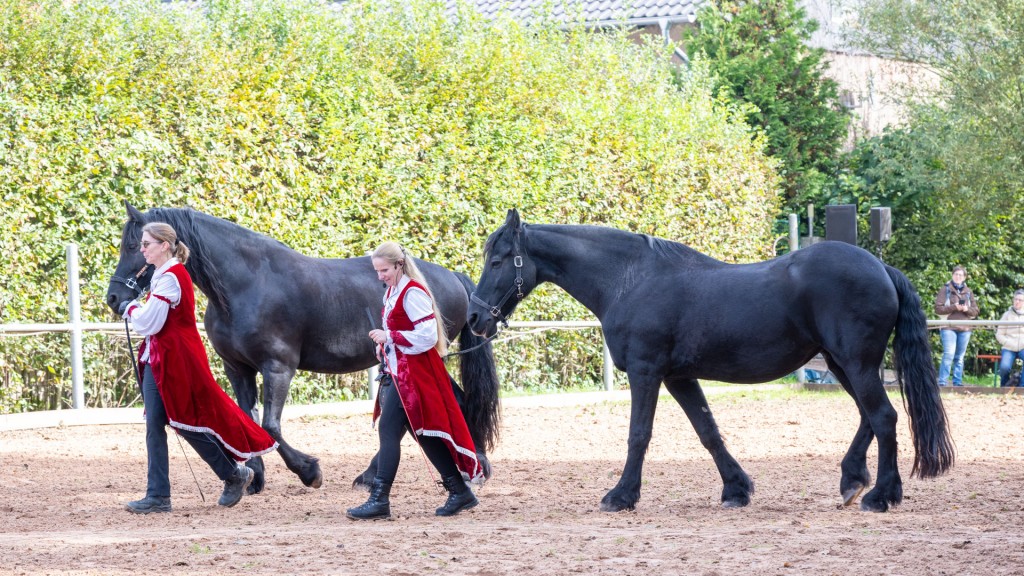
(334, 128)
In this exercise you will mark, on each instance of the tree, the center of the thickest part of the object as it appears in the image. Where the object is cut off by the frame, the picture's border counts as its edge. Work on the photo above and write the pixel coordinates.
(976, 50)
(758, 50)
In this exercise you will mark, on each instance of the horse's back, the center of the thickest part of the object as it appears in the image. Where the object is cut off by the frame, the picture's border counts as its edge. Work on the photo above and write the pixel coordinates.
(759, 321)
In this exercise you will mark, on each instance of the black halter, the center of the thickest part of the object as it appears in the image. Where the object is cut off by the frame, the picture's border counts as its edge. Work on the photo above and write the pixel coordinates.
(133, 283)
(516, 288)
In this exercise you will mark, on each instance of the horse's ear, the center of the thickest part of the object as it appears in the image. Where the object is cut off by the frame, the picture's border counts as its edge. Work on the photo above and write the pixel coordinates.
(513, 219)
(133, 213)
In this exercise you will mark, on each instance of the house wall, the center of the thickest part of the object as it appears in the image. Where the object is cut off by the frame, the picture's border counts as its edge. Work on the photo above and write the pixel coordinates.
(871, 87)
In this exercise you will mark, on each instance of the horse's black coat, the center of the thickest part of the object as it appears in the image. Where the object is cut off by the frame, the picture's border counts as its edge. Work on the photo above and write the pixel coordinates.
(273, 311)
(673, 315)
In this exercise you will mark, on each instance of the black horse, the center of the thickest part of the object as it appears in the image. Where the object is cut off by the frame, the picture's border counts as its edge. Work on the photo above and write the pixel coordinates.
(671, 314)
(273, 311)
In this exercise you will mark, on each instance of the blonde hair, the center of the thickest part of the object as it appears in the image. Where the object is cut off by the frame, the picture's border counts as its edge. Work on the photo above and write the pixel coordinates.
(165, 233)
(393, 253)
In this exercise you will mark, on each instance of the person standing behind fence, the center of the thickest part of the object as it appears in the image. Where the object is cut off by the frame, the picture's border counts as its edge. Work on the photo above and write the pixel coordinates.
(1011, 338)
(955, 302)
(177, 385)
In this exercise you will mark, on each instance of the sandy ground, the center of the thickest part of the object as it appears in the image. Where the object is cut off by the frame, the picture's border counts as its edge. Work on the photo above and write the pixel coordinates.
(62, 492)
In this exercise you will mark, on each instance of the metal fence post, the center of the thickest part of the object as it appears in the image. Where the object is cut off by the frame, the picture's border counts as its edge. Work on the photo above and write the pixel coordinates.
(371, 381)
(75, 313)
(609, 366)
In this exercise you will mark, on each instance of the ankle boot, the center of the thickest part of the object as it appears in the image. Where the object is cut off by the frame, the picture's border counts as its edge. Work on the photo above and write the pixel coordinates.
(377, 506)
(460, 497)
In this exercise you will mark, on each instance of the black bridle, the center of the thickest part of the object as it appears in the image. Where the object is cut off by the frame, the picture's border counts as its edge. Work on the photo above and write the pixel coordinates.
(133, 283)
(516, 288)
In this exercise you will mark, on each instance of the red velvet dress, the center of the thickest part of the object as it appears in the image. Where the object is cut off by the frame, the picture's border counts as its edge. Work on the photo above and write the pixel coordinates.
(193, 399)
(425, 389)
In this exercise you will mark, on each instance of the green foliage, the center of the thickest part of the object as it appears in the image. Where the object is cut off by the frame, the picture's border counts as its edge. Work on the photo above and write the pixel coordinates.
(976, 50)
(332, 128)
(906, 169)
(954, 174)
(757, 49)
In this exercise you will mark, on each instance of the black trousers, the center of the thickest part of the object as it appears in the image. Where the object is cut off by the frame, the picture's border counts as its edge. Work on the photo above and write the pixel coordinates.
(391, 428)
(209, 448)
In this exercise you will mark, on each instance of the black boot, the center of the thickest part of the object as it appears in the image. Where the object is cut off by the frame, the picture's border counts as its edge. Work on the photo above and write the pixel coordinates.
(377, 506)
(150, 504)
(460, 497)
(234, 487)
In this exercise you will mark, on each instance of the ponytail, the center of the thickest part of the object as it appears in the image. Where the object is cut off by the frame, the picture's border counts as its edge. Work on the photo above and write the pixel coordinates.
(395, 254)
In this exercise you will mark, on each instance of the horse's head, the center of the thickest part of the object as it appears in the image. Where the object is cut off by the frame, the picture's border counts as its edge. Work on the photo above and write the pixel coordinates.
(132, 275)
(509, 275)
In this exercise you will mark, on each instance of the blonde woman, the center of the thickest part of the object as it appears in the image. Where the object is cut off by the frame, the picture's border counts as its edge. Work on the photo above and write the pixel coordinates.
(415, 391)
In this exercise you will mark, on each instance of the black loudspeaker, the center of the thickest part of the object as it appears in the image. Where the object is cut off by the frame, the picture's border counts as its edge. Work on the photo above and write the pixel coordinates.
(881, 224)
(841, 223)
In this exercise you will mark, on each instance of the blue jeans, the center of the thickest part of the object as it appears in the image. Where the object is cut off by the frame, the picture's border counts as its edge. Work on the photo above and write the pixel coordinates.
(1006, 364)
(954, 345)
(209, 449)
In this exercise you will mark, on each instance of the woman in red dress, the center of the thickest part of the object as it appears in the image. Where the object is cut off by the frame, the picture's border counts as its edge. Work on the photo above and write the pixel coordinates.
(177, 385)
(415, 391)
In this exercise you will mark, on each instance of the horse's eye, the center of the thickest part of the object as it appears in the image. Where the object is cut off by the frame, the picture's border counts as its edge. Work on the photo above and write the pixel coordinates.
(133, 246)
(496, 262)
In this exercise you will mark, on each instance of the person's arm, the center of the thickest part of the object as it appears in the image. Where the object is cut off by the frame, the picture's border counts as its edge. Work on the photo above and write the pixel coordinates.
(423, 336)
(1003, 332)
(149, 318)
(972, 309)
(941, 308)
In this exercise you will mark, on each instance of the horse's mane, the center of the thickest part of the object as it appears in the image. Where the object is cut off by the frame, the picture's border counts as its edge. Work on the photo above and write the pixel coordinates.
(668, 249)
(202, 269)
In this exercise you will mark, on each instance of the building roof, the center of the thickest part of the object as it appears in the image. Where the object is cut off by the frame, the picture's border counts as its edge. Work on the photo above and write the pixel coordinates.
(589, 11)
(828, 13)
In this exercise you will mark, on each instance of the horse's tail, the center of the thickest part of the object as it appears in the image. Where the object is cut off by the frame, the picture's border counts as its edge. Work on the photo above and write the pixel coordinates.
(479, 378)
(933, 446)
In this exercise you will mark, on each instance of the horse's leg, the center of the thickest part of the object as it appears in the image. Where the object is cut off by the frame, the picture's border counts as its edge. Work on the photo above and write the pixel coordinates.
(243, 382)
(277, 378)
(643, 391)
(881, 416)
(737, 486)
(478, 441)
(365, 479)
(855, 475)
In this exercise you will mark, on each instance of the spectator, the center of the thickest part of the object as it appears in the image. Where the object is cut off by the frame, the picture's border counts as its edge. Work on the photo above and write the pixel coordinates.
(955, 302)
(1011, 338)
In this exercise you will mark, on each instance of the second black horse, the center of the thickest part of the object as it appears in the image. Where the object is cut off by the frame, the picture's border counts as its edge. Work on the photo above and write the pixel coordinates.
(273, 311)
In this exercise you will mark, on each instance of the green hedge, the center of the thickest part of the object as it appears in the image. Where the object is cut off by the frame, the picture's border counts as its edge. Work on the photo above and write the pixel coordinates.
(334, 128)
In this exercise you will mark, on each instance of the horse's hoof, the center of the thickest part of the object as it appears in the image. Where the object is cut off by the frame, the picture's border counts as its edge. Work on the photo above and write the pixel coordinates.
(735, 503)
(360, 484)
(607, 505)
(257, 484)
(850, 495)
(318, 481)
(866, 506)
(485, 463)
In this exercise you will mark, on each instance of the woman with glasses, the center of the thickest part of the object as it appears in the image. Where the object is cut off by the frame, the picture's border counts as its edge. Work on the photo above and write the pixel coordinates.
(177, 385)
(955, 301)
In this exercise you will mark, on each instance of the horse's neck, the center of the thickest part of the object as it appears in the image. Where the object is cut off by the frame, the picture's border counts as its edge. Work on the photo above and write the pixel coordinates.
(593, 265)
(221, 246)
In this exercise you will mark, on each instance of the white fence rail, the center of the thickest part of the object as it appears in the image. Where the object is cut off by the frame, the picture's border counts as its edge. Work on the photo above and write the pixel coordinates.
(76, 328)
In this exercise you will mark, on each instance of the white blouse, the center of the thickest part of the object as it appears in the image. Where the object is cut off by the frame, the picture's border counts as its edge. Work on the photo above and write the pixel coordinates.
(164, 294)
(423, 336)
